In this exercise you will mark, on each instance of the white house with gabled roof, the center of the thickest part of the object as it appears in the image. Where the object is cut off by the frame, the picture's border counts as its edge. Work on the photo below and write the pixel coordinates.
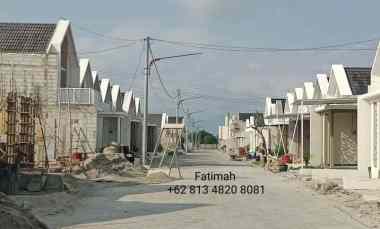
(129, 103)
(116, 98)
(321, 86)
(95, 80)
(368, 125)
(105, 92)
(85, 75)
(316, 135)
(41, 59)
(335, 117)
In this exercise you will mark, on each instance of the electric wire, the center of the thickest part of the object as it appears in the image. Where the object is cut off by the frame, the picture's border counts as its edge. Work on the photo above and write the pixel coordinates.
(216, 47)
(108, 49)
(137, 68)
(85, 29)
(159, 76)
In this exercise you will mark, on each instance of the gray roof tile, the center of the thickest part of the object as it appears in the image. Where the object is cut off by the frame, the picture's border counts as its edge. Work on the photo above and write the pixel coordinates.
(359, 79)
(25, 37)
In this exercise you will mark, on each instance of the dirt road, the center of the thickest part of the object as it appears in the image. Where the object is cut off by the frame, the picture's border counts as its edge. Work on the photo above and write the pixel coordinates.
(282, 205)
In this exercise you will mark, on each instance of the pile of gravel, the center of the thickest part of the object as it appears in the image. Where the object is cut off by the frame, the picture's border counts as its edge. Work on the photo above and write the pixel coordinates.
(13, 216)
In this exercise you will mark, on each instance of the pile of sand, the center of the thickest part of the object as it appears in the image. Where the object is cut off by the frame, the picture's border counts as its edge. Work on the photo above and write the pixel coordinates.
(103, 165)
(158, 177)
(13, 216)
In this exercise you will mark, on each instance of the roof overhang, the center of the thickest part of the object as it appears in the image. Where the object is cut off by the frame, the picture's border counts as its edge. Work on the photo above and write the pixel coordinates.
(339, 100)
(113, 114)
(286, 115)
(328, 107)
(174, 126)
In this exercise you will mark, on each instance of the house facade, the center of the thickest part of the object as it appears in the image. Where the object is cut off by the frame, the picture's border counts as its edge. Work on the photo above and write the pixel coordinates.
(80, 112)
(368, 125)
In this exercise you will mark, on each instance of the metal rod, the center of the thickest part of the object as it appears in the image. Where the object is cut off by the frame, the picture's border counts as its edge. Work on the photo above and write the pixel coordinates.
(146, 92)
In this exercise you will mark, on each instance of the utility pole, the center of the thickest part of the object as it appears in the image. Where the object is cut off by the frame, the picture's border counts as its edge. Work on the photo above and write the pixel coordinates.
(178, 101)
(187, 127)
(146, 91)
(149, 64)
(187, 131)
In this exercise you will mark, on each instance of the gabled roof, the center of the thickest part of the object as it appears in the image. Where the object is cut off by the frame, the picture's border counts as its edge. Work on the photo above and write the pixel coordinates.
(85, 74)
(290, 98)
(274, 106)
(321, 86)
(338, 82)
(95, 76)
(95, 80)
(358, 79)
(308, 90)
(137, 105)
(299, 94)
(129, 102)
(25, 37)
(105, 86)
(346, 81)
(115, 95)
(375, 72)
(62, 28)
(298, 91)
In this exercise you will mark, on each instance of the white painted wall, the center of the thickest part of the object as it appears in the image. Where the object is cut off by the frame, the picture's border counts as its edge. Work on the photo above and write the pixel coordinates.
(316, 139)
(364, 136)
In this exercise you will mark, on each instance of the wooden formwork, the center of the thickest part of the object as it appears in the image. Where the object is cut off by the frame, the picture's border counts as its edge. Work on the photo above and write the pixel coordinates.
(19, 129)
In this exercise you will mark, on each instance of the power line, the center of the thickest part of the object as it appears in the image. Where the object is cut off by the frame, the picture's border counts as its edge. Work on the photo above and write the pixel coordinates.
(216, 47)
(214, 97)
(137, 67)
(159, 77)
(108, 49)
(80, 27)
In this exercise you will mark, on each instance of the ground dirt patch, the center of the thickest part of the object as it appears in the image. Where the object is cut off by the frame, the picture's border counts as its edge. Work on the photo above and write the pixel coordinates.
(348, 201)
(14, 216)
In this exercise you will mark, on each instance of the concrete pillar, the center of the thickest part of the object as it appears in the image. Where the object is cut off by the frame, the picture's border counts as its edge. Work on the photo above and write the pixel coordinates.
(316, 139)
(323, 139)
(119, 130)
(331, 138)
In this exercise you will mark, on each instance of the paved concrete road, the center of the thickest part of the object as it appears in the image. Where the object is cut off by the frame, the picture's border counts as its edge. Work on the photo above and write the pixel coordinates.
(283, 205)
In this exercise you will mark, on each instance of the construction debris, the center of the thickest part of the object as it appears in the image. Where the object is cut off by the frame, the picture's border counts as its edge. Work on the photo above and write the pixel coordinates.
(348, 201)
(276, 166)
(104, 164)
(14, 216)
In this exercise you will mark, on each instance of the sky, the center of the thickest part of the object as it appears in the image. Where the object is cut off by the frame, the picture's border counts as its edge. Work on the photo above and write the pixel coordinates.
(228, 81)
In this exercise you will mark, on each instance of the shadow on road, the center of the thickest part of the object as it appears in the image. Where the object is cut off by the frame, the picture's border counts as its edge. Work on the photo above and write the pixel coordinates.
(117, 210)
(105, 208)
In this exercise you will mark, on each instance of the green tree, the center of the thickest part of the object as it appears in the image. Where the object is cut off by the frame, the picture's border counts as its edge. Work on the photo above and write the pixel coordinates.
(205, 137)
